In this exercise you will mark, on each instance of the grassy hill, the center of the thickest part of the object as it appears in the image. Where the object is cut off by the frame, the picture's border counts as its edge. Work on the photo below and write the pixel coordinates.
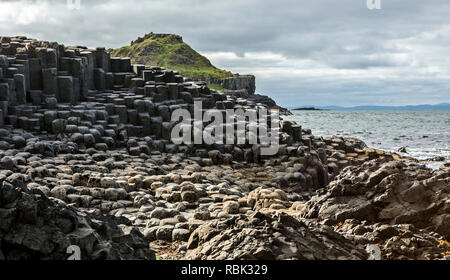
(169, 51)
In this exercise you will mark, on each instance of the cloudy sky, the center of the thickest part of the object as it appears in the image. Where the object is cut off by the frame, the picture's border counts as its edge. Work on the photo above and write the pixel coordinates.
(303, 52)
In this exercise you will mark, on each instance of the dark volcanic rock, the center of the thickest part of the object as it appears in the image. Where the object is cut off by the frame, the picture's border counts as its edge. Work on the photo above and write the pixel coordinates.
(269, 236)
(378, 201)
(35, 227)
(392, 193)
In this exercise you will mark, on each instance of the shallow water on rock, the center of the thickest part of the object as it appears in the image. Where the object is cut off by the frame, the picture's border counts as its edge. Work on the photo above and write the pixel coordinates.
(424, 134)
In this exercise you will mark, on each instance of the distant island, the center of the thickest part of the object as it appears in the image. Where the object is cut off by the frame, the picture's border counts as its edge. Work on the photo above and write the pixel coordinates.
(307, 109)
(425, 107)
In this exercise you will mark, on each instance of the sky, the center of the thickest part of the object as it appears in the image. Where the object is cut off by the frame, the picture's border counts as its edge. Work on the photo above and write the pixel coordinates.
(302, 52)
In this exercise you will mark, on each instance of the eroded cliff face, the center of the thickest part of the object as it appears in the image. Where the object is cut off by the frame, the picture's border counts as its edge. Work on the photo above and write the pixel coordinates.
(247, 82)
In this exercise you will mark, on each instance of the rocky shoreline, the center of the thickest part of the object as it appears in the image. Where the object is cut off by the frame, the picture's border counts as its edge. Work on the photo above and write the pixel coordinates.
(86, 160)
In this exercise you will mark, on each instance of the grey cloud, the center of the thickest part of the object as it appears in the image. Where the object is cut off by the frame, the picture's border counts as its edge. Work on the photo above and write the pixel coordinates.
(336, 36)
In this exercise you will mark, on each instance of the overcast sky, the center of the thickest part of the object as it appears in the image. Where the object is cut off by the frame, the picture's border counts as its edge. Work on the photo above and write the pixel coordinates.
(303, 52)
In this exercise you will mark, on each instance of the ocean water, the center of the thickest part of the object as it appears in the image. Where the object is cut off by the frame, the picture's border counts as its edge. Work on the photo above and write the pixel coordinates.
(424, 134)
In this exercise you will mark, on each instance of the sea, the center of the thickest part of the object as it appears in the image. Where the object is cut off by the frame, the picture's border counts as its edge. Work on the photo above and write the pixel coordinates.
(424, 134)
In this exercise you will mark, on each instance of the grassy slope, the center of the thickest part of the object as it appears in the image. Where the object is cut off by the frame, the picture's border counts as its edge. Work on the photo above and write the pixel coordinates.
(216, 87)
(172, 54)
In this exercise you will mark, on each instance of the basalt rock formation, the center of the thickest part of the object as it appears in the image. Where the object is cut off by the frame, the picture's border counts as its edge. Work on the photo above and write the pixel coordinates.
(33, 226)
(87, 99)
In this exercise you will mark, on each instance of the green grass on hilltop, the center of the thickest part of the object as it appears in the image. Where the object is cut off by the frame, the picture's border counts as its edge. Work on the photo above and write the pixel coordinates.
(216, 87)
(171, 52)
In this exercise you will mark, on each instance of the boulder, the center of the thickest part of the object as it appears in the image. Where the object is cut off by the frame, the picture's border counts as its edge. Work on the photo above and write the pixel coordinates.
(269, 237)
